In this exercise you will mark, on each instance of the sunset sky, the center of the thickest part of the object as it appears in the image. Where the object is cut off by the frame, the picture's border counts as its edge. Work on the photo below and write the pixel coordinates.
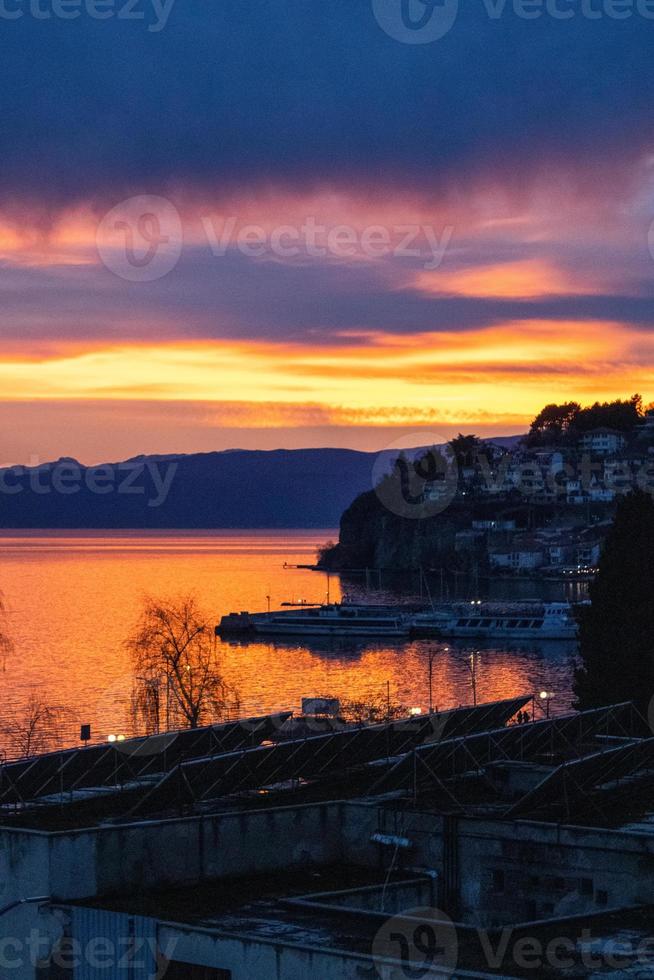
(524, 147)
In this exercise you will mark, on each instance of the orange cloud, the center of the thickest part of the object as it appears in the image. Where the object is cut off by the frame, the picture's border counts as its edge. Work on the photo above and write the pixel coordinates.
(357, 376)
(526, 279)
(501, 372)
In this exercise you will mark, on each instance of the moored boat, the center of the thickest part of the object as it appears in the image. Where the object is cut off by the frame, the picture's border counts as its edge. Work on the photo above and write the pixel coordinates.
(506, 621)
(332, 619)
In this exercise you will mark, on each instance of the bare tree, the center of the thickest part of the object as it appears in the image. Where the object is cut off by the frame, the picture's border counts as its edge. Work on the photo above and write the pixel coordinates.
(173, 652)
(6, 643)
(35, 727)
(372, 710)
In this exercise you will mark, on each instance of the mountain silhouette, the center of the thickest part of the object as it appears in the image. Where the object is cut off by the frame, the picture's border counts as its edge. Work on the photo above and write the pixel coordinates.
(233, 489)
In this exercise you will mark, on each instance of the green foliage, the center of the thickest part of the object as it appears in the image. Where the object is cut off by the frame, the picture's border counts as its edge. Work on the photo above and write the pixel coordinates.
(616, 641)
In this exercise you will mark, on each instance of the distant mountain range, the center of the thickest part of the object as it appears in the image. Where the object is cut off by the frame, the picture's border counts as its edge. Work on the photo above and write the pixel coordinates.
(231, 489)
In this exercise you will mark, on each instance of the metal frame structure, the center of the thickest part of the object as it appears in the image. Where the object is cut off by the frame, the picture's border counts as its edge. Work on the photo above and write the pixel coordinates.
(317, 756)
(148, 775)
(428, 753)
(550, 741)
(113, 764)
(574, 782)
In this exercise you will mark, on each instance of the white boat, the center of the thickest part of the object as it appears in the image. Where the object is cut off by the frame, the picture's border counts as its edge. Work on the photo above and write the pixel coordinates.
(334, 620)
(504, 621)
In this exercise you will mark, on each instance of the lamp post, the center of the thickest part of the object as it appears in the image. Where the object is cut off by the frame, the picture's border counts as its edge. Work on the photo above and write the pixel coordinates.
(545, 698)
(431, 656)
(113, 739)
(152, 687)
(430, 659)
(472, 666)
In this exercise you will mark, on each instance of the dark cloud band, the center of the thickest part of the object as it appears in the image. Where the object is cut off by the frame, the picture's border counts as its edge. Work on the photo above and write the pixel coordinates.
(231, 94)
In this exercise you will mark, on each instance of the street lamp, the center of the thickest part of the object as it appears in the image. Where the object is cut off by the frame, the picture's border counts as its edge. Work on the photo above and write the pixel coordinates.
(472, 667)
(430, 661)
(546, 697)
(431, 656)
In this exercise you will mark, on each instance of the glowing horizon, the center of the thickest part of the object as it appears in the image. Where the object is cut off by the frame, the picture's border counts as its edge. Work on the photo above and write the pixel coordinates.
(345, 345)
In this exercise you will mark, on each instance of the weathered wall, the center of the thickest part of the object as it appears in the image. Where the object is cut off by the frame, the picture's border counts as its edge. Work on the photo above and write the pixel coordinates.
(120, 859)
(255, 960)
(505, 872)
(549, 871)
(393, 897)
(24, 864)
(514, 871)
(117, 859)
(424, 830)
(103, 938)
(24, 874)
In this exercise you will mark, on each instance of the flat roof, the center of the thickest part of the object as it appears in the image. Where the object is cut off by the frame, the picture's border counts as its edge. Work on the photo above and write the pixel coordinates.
(292, 908)
(203, 902)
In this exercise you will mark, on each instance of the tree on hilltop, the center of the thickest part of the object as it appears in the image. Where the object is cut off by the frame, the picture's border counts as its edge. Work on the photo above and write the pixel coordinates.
(553, 423)
(623, 415)
(465, 449)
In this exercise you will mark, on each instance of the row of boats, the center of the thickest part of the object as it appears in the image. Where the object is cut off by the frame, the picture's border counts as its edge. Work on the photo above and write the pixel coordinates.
(478, 619)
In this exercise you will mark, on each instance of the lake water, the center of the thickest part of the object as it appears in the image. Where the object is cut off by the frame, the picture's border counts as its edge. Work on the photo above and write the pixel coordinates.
(72, 599)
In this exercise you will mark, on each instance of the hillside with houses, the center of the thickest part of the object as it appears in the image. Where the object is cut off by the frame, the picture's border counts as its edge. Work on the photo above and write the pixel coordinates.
(540, 507)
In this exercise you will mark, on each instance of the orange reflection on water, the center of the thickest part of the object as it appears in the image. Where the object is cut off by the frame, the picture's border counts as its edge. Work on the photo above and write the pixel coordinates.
(73, 598)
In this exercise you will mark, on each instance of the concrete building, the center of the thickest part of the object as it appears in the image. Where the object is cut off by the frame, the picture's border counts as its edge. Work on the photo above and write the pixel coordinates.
(467, 827)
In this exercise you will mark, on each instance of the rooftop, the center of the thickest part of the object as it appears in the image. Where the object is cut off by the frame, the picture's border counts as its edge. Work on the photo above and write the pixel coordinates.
(345, 908)
(594, 767)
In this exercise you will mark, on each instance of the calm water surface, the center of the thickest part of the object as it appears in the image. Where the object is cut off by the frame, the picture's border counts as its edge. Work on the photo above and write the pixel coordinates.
(74, 597)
